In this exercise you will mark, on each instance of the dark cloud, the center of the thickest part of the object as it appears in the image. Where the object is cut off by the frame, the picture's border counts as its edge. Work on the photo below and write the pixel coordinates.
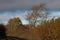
(54, 4)
(16, 4)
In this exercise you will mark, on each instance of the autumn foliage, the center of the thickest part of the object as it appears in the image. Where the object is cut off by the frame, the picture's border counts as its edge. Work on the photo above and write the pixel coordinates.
(48, 30)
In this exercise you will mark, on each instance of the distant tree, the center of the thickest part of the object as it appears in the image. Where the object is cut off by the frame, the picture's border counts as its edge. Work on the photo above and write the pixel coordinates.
(14, 23)
(36, 15)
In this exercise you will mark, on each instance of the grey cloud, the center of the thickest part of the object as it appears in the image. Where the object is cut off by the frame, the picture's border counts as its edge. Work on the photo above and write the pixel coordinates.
(55, 5)
(12, 4)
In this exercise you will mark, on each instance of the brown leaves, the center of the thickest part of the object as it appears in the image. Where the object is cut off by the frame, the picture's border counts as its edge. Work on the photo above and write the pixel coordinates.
(49, 30)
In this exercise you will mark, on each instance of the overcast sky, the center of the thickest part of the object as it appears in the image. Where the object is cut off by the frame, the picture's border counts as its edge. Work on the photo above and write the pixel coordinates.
(16, 4)
(14, 8)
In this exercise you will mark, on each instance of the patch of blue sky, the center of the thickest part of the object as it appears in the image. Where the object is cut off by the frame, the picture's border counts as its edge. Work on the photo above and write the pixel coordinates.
(4, 16)
(55, 13)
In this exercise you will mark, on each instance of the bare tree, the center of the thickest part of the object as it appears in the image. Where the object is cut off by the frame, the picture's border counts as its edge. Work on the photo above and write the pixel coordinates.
(37, 13)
